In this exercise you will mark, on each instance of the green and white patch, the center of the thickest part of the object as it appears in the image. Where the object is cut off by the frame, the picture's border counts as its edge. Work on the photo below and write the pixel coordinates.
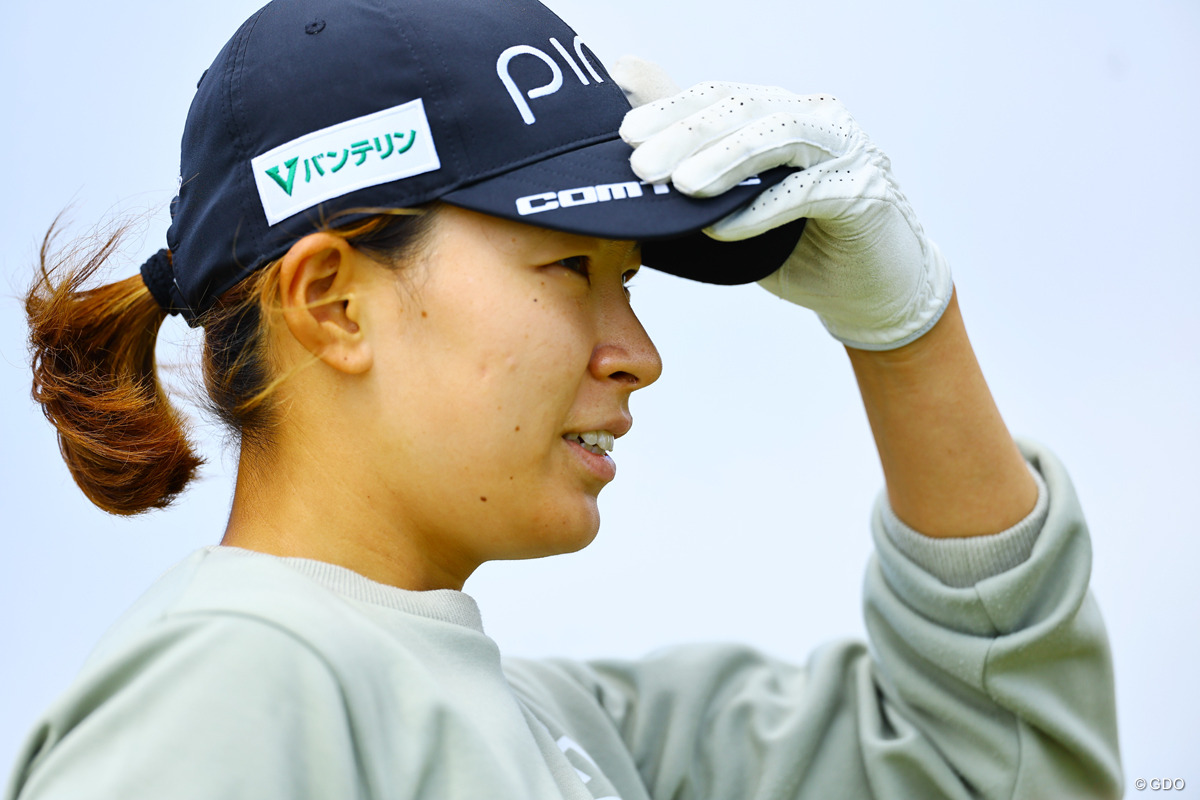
(386, 146)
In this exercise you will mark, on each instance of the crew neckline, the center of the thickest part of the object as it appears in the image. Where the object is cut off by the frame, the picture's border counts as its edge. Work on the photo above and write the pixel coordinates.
(445, 605)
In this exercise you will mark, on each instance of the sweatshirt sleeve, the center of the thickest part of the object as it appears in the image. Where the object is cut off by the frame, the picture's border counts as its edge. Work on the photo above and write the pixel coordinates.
(966, 561)
(201, 706)
(1002, 688)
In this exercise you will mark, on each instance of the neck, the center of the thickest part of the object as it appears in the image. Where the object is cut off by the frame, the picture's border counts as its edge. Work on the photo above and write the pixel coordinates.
(295, 503)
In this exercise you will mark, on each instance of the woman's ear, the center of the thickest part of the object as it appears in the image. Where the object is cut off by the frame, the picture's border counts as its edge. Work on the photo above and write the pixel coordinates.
(318, 279)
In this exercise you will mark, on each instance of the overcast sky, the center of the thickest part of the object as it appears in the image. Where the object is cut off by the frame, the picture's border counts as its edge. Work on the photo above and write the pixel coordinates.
(1048, 147)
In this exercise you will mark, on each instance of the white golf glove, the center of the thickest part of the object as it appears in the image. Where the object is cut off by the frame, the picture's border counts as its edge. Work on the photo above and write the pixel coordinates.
(863, 262)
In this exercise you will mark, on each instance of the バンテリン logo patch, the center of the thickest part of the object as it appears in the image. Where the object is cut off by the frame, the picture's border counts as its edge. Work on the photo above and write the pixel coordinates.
(385, 146)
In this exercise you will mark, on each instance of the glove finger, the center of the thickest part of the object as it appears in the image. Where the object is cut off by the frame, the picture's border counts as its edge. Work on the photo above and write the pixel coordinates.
(777, 140)
(646, 121)
(642, 81)
(657, 158)
(768, 211)
(823, 193)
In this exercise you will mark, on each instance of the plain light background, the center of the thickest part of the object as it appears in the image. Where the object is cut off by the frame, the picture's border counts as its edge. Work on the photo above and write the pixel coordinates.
(1048, 147)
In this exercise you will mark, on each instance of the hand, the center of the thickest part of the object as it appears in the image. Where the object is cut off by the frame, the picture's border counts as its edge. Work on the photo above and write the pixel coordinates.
(863, 263)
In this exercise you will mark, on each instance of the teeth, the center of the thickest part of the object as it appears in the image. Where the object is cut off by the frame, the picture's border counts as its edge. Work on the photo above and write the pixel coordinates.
(598, 442)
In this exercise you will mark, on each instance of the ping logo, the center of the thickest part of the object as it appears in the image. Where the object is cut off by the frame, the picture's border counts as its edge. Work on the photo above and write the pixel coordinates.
(556, 79)
(587, 195)
(379, 148)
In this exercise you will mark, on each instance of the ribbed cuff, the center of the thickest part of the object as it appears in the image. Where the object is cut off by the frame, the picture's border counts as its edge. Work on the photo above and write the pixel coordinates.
(962, 562)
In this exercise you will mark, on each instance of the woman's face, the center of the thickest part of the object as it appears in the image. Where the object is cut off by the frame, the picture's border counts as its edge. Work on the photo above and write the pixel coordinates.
(507, 344)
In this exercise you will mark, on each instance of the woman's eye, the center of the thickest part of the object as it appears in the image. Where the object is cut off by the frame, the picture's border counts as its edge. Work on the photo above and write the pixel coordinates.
(579, 264)
(627, 281)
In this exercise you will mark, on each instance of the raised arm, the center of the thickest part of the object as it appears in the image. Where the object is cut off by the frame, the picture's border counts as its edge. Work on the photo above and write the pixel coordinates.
(866, 267)
(952, 469)
(989, 673)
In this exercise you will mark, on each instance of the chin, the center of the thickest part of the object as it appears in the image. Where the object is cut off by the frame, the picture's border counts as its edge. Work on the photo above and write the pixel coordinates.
(567, 534)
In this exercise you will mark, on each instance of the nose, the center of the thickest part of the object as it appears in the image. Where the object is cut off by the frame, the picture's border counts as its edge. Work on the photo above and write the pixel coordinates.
(625, 352)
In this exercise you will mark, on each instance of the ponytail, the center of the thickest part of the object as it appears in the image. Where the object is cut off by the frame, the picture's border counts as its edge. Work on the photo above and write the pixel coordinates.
(94, 377)
(93, 362)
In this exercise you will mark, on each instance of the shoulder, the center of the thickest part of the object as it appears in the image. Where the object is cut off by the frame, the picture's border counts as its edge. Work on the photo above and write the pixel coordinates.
(226, 594)
(177, 696)
(205, 668)
(217, 628)
(222, 635)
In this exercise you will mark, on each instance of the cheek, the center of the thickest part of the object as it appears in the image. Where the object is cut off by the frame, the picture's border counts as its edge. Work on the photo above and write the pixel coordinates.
(498, 433)
(500, 381)
(528, 384)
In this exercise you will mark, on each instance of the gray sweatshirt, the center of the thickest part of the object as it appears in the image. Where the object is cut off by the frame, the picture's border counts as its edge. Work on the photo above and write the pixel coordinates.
(242, 675)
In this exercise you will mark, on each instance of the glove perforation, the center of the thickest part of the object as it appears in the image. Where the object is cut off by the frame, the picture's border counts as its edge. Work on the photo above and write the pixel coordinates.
(863, 263)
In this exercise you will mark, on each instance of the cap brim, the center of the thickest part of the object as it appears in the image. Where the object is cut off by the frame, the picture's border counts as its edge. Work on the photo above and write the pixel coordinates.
(593, 191)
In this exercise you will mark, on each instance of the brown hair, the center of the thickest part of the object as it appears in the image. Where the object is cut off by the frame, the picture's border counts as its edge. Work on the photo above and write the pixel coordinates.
(94, 370)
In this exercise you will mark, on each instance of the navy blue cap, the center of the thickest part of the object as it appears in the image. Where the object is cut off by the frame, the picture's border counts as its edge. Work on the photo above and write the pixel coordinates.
(316, 107)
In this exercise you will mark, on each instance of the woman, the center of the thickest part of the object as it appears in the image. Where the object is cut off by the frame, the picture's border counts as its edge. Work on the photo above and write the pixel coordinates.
(416, 321)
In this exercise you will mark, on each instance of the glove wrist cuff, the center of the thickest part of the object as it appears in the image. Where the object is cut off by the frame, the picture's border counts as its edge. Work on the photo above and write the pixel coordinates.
(923, 313)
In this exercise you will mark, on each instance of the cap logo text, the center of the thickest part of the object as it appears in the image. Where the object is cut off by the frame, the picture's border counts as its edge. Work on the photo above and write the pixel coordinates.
(385, 146)
(602, 193)
(556, 79)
